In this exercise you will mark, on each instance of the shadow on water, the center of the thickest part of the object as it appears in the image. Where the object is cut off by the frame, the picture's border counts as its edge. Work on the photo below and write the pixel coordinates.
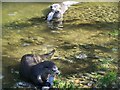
(35, 21)
(10, 71)
(85, 47)
(88, 64)
(96, 25)
(38, 20)
(93, 47)
(79, 66)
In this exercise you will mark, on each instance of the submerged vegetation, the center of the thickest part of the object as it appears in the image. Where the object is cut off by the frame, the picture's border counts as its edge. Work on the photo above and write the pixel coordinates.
(86, 48)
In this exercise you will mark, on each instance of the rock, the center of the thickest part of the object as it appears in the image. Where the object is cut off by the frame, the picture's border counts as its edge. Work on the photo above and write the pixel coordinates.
(12, 70)
(71, 61)
(94, 56)
(85, 86)
(82, 76)
(1, 76)
(25, 44)
(88, 75)
(23, 85)
(93, 73)
(90, 83)
(81, 85)
(101, 72)
(84, 82)
(77, 81)
(118, 77)
(45, 88)
(81, 56)
(16, 72)
(55, 31)
(95, 80)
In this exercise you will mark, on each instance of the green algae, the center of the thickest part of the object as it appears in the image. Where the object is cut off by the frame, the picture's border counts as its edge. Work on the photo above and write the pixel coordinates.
(89, 28)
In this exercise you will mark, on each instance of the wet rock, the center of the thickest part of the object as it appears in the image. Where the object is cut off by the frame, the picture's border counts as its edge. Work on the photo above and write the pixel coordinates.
(93, 73)
(86, 74)
(94, 80)
(81, 85)
(114, 49)
(55, 32)
(93, 56)
(85, 86)
(16, 72)
(37, 38)
(59, 58)
(45, 88)
(77, 81)
(89, 75)
(67, 45)
(81, 56)
(1, 76)
(84, 82)
(71, 61)
(25, 44)
(118, 77)
(86, 77)
(90, 83)
(101, 72)
(23, 85)
(80, 74)
(12, 70)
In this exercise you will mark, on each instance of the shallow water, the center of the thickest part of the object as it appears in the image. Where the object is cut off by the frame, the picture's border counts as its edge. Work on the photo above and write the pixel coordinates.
(25, 31)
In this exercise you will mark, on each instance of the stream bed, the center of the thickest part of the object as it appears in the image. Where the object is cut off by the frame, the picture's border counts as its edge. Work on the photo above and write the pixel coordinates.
(86, 48)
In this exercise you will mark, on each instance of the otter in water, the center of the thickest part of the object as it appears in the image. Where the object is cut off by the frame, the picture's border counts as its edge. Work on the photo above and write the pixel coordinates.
(39, 72)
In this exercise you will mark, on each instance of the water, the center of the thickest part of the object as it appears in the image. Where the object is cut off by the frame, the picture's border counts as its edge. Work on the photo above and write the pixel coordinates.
(25, 31)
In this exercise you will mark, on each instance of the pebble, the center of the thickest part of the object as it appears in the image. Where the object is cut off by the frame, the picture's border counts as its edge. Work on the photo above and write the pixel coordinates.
(101, 72)
(95, 80)
(1, 76)
(93, 73)
(86, 74)
(11, 14)
(81, 85)
(45, 88)
(25, 44)
(119, 77)
(85, 86)
(77, 81)
(87, 77)
(12, 70)
(81, 56)
(90, 83)
(16, 72)
(84, 82)
(23, 84)
(71, 61)
(55, 31)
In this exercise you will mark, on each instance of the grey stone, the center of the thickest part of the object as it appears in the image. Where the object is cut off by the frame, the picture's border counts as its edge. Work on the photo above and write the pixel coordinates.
(1, 76)
(101, 72)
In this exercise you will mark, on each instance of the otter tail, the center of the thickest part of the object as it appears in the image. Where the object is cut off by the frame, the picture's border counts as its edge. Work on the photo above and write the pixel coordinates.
(48, 55)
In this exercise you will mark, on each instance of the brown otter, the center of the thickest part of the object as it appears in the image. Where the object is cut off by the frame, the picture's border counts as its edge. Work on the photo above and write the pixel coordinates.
(40, 73)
